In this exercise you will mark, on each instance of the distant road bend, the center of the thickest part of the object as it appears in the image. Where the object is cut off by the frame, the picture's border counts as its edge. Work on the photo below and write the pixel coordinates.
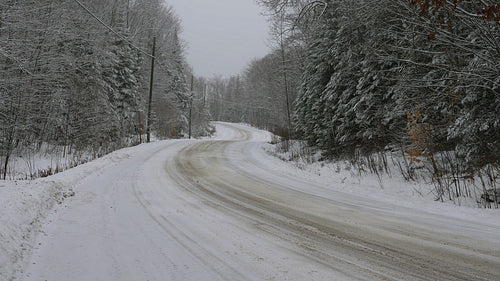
(225, 210)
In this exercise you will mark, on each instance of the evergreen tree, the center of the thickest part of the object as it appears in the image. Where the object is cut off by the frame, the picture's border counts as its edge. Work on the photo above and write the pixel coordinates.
(123, 76)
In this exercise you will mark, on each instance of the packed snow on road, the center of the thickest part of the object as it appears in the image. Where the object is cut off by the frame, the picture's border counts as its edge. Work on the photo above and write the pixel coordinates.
(225, 209)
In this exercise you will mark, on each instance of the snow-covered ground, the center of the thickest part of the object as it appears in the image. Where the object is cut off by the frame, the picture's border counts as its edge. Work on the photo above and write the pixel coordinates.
(341, 176)
(25, 205)
(224, 209)
(48, 160)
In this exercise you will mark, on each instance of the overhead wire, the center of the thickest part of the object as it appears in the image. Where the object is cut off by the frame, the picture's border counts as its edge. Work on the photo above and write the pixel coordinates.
(24, 69)
(112, 30)
(20, 64)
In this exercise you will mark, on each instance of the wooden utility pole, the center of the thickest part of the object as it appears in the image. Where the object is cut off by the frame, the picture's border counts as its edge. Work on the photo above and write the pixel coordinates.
(191, 106)
(148, 123)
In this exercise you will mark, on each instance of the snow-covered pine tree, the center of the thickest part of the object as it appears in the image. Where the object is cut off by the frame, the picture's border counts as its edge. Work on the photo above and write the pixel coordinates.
(313, 108)
(122, 75)
(176, 91)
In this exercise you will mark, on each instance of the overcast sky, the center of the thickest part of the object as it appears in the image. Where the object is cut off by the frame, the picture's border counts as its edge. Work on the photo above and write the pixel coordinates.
(222, 35)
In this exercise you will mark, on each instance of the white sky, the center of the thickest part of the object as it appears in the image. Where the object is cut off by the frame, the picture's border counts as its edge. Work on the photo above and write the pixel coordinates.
(223, 36)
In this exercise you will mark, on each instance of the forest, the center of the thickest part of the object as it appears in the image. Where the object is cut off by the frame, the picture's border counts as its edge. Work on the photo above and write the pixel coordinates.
(409, 83)
(416, 83)
(75, 77)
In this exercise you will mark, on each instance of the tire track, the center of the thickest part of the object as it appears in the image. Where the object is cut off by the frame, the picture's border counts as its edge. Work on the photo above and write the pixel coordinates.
(203, 170)
(223, 269)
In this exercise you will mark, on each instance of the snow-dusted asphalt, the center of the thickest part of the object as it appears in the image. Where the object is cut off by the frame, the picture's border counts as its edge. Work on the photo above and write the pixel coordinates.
(224, 210)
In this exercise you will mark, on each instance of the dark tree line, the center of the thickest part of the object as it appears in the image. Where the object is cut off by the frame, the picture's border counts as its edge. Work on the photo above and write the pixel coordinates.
(372, 77)
(68, 82)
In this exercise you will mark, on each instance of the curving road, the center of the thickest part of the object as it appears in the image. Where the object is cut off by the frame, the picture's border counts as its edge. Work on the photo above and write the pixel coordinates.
(221, 210)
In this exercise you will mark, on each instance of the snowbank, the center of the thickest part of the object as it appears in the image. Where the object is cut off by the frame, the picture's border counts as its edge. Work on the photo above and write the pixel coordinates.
(25, 204)
(22, 206)
(391, 189)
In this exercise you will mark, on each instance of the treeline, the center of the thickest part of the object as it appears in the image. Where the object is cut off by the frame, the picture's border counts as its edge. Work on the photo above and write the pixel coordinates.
(374, 78)
(381, 73)
(69, 82)
(258, 96)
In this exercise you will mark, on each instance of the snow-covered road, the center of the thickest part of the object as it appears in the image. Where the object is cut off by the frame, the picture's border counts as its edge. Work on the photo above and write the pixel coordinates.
(225, 210)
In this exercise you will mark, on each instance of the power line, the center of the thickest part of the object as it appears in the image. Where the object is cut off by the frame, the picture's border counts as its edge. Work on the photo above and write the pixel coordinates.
(20, 64)
(112, 30)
